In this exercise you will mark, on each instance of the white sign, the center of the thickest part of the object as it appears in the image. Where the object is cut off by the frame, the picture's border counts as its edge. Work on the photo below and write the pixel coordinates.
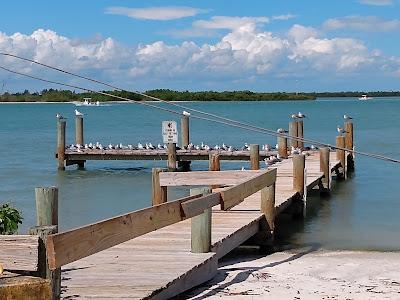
(169, 132)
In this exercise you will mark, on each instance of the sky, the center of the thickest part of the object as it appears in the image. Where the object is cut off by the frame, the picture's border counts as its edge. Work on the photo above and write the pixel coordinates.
(260, 45)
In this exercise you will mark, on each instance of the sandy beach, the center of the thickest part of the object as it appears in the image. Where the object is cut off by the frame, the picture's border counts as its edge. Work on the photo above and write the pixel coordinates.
(304, 274)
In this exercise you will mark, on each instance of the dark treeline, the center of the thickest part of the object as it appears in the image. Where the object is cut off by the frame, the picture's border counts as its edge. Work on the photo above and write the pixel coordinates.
(52, 95)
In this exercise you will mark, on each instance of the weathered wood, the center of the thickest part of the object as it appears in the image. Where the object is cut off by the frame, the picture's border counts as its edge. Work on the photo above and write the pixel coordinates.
(293, 132)
(234, 195)
(254, 157)
(282, 147)
(66, 247)
(197, 206)
(300, 133)
(268, 205)
(214, 163)
(341, 154)
(324, 166)
(19, 252)
(185, 131)
(206, 177)
(79, 130)
(159, 193)
(349, 141)
(171, 157)
(201, 225)
(46, 205)
(61, 144)
(299, 162)
(43, 268)
(14, 286)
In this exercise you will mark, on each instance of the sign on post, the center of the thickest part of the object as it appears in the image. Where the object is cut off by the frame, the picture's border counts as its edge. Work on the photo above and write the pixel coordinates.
(170, 132)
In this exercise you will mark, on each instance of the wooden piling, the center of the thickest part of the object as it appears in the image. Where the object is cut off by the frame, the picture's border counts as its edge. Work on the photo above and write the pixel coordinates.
(61, 144)
(201, 226)
(159, 193)
(79, 130)
(255, 157)
(293, 132)
(171, 148)
(349, 141)
(299, 163)
(282, 147)
(324, 166)
(214, 163)
(341, 154)
(300, 133)
(47, 223)
(185, 131)
(268, 206)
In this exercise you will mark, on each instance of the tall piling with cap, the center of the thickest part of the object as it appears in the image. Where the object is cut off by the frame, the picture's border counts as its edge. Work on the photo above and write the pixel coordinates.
(341, 154)
(61, 124)
(349, 141)
(185, 133)
(255, 157)
(293, 133)
(282, 146)
(79, 135)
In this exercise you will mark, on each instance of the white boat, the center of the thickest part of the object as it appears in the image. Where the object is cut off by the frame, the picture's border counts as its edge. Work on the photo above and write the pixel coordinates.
(365, 97)
(87, 102)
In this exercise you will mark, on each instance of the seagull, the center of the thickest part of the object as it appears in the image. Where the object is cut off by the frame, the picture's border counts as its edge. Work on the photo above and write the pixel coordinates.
(281, 130)
(300, 115)
(294, 116)
(340, 130)
(60, 117)
(347, 118)
(78, 113)
(186, 113)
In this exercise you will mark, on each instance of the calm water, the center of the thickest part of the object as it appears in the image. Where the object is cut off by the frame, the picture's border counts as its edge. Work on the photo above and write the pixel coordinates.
(362, 213)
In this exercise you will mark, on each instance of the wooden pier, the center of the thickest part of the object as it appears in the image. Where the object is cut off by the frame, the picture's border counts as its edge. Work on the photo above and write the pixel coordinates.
(161, 263)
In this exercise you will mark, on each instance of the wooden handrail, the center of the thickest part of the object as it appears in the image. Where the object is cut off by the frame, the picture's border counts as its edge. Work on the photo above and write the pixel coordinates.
(69, 246)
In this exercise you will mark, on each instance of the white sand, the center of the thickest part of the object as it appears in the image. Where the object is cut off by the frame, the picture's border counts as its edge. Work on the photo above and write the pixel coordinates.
(305, 274)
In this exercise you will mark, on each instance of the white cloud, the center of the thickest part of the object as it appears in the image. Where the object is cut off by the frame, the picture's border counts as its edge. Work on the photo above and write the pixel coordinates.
(232, 23)
(245, 54)
(377, 2)
(362, 23)
(156, 13)
(283, 17)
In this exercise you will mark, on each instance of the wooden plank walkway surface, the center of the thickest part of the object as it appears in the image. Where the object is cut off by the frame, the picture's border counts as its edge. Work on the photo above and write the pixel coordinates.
(159, 264)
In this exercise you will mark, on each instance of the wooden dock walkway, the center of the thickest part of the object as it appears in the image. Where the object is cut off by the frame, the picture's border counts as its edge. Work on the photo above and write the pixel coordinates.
(160, 264)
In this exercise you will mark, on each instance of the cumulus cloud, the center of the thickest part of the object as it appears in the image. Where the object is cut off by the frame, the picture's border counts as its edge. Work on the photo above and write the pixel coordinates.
(246, 53)
(363, 23)
(376, 2)
(283, 17)
(156, 13)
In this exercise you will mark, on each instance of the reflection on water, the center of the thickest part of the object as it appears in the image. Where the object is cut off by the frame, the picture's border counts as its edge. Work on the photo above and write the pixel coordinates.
(362, 212)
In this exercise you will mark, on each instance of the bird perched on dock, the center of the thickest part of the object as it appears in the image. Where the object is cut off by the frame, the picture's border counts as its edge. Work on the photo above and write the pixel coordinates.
(78, 113)
(300, 115)
(186, 113)
(340, 130)
(347, 118)
(59, 117)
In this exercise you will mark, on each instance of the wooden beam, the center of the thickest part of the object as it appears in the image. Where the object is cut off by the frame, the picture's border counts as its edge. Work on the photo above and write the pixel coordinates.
(72, 245)
(196, 206)
(207, 177)
(19, 252)
(234, 195)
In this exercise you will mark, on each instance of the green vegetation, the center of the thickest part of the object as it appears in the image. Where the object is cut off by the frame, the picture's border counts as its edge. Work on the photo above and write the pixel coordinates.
(10, 218)
(169, 95)
(52, 95)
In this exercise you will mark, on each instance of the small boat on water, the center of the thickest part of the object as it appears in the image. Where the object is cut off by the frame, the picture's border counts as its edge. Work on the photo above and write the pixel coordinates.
(365, 97)
(87, 102)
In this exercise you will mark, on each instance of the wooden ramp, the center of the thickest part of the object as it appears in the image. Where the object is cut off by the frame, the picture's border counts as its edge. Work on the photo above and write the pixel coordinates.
(159, 264)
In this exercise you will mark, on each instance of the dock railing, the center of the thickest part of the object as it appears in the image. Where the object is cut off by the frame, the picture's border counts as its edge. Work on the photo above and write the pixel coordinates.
(66, 247)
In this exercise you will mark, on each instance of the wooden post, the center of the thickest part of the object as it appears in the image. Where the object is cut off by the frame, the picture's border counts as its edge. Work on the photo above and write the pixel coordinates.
(299, 163)
(46, 206)
(185, 131)
(255, 157)
(324, 166)
(293, 132)
(349, 140)
(341, 154)
(282, 147)
(300, 133)
(268, 206)
(214, 163)
(201, 226)
(47, 223)
(79, 130)
(159, 193)
(171, 157)
(61, 144)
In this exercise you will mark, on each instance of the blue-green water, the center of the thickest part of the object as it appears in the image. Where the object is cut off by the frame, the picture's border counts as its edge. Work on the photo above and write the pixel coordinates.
(363, 212)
